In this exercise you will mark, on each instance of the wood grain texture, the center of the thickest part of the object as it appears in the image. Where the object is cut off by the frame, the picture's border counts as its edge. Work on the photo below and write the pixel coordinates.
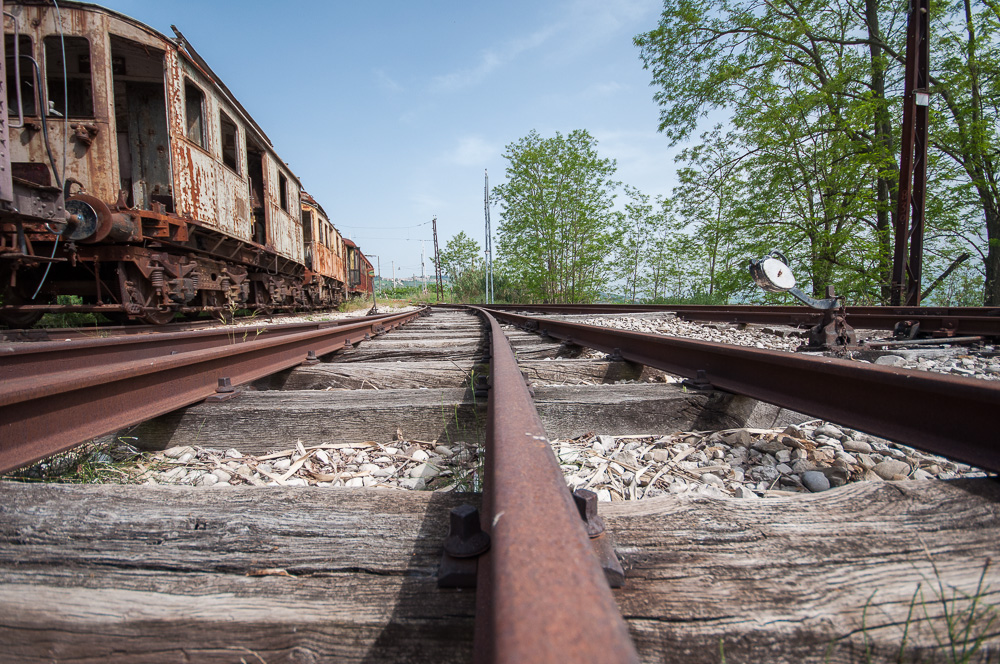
(454, 373)
(447, 414)
(789, 579)
(108, 574)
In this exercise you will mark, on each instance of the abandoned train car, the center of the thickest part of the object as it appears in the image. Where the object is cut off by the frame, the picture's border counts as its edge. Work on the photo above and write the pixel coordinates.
(133, 178)
(324, 254)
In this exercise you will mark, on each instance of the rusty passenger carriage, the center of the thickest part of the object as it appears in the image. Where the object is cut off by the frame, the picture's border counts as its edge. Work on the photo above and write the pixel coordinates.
(131, 177)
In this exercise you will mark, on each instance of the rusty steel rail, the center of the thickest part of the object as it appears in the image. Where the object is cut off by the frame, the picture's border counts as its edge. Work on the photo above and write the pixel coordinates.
(41, 334)
(944, 321)
(946, 415)
(44, 357)
(541, 595)
(50, 413)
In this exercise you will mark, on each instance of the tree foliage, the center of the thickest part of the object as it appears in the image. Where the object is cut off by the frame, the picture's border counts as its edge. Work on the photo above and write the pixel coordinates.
(813, 88)
(556, 216)
(460, 255)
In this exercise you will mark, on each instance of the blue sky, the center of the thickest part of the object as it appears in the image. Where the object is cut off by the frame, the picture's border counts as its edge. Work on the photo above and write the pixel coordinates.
(390, 112)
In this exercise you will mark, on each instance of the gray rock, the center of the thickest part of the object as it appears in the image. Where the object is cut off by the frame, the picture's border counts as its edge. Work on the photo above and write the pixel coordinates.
(768, 446)
(783, 468)
(815, 481)
(892, 469)
(660, 456)
(738, 438)
(829, 431)
(921, 474)
(233, 453)
(222, 475)
(890, 360)
(802, 465)
(424, 471)
(743, 492)
(857, 446)
(711, 478)
(175, 452)
(208, 480)
(794, 431)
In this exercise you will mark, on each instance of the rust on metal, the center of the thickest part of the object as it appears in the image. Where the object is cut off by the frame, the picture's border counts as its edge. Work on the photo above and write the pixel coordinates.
(938, 321)
(541, 594)
(45, 414)
(942, 414)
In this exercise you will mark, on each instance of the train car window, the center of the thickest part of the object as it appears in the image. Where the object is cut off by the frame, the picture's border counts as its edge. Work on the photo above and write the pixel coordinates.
(283, 191)
(228, 131)
(194, 113)
(307, 226)
(71, 77)
(27, 77)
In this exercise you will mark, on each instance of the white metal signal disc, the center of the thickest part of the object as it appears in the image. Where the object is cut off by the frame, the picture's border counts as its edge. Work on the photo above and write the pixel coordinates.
(779, 274)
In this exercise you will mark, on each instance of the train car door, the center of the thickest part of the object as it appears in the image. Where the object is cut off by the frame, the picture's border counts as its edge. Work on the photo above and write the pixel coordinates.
(258, 204)
(141, 124)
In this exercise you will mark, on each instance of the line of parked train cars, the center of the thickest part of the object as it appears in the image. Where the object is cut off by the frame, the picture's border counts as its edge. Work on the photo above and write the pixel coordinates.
(130, 176)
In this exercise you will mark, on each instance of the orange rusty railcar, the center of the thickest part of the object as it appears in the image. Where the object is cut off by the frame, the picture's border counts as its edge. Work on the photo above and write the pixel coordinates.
(324, 255)
(133, 178)
(359, 270)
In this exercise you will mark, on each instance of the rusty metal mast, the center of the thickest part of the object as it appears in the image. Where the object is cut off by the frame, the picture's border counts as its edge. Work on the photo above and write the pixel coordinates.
(909, 230)
(437, 261)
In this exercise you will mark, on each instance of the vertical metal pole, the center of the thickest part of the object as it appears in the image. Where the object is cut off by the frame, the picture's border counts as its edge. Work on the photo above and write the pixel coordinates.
(437, 261)
(906, 272)
(489, 241)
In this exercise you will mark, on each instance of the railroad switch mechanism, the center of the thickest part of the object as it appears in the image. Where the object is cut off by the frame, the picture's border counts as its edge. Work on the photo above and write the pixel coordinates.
(773, 275)
(466, 541)
(600, 539)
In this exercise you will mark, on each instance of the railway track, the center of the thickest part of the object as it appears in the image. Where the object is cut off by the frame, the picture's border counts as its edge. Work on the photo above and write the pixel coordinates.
(937, 321)
(541, 594)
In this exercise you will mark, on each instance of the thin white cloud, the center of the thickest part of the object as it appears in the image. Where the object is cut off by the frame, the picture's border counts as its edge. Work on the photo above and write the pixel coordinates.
(387, 83)
(493, 59)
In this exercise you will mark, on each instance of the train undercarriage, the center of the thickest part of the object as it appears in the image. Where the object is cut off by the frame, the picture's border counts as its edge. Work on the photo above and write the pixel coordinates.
(176, 267)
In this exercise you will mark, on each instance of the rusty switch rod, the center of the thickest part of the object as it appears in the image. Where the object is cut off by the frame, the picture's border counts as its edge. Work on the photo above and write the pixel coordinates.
(541, 593)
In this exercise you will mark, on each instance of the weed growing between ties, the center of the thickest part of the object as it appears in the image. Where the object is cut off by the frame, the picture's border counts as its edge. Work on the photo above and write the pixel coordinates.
(965, 625)
(228, 319)
(108, 460)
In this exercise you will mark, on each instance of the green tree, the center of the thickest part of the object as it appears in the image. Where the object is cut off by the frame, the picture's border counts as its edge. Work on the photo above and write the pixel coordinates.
(634, 228)
(460, 255)
(813, 87)
(556, 216)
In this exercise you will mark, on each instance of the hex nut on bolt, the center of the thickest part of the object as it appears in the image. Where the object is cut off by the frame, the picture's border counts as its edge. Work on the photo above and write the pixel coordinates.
(466, 538)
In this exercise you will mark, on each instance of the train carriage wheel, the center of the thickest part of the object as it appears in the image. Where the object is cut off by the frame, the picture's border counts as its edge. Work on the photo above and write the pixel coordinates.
(135, 288)
(17, 318)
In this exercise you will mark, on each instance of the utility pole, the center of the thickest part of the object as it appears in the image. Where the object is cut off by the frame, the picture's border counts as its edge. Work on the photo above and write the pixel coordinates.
(423, 276)
(489, 241)
(379, 259)
(437, 261)
(393, 273)
(906, 272)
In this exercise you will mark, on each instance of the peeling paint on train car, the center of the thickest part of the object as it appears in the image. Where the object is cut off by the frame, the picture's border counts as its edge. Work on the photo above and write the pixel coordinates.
(284, 227)
(88, 153)
(326, 247)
